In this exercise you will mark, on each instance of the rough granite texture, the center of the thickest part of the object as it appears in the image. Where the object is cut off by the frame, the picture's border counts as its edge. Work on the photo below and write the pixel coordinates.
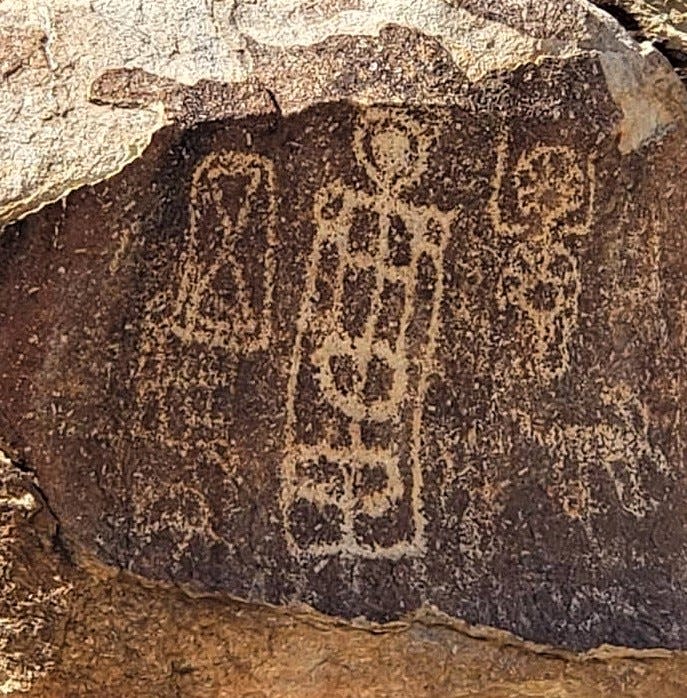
(664, 22)
(56, 135)
(374, 309)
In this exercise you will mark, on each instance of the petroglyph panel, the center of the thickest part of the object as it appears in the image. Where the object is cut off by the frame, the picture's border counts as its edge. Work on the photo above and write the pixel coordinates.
(369, 358)
(217, 308)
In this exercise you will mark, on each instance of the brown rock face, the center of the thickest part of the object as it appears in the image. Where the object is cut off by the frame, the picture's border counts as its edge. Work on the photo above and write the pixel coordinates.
(375, 356)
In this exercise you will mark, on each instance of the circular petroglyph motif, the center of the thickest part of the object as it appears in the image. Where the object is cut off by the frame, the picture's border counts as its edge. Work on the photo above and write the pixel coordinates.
(548, 192)
(392, 149)
(550, 184)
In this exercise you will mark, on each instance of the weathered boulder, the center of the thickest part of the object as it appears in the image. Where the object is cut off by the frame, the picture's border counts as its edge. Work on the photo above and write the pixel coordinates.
(663, 22)
(66, 630)
(391, 317)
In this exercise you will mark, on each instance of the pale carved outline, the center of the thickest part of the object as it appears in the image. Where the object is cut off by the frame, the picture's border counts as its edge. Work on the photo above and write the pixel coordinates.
(392, 168)
(553, 183)
(622, 444)
(188, 322)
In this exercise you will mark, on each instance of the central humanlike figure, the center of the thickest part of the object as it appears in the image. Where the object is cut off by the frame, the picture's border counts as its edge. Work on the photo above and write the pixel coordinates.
(366, 330)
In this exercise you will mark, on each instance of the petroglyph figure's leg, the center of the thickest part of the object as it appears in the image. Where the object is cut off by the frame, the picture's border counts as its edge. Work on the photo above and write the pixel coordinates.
(621, 448)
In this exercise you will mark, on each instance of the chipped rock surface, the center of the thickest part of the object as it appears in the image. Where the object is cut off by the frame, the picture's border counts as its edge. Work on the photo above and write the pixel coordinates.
(663, 21)
(90, 630)
(366, 308)
(34, 587)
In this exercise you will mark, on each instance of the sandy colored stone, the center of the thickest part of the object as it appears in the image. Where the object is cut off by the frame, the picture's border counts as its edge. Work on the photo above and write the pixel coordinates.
(54, 137)
(663, 21)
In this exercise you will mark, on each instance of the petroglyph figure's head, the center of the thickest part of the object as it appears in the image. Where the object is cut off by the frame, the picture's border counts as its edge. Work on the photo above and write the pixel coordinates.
(389, 146)
(550, 184)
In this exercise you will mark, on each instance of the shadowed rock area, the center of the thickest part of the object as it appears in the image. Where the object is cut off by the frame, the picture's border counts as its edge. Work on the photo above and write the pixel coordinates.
(421, 348)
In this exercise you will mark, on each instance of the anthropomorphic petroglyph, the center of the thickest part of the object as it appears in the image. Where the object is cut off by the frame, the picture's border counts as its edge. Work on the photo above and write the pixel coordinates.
(365, 343)
(224, 293)
(216, 311)
(551, 196)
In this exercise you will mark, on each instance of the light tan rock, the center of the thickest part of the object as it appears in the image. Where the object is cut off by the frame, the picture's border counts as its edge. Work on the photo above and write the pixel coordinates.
(54, 138)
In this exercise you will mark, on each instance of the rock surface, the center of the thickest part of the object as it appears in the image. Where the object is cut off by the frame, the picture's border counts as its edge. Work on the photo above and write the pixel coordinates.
(389, 315)
(57, 131)
(97, 632)
(663, 22)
